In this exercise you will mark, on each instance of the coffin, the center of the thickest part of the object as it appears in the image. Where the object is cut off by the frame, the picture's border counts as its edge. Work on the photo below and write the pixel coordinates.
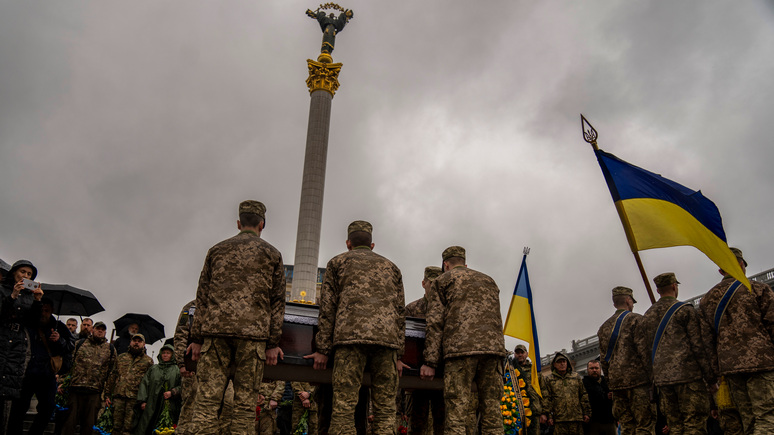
(297, 340)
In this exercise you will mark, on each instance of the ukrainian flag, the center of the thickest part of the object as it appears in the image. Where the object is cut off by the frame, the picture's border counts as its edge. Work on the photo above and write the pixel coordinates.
(659, 213)
(520, 322)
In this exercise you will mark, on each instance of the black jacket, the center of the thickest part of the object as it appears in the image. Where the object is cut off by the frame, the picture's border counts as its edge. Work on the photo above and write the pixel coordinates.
(601, 406)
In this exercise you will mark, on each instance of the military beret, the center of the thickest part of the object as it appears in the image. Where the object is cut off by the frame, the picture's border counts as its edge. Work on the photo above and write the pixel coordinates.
(520, 347)
(624, 291)
(738, 253)
(138, 336)
(252, 206)
(453, 251)
(665, 279)
(360, 226)
(100, 325)
(432, 272)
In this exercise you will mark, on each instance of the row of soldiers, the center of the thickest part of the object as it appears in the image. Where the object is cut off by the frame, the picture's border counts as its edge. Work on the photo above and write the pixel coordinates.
(678, 357)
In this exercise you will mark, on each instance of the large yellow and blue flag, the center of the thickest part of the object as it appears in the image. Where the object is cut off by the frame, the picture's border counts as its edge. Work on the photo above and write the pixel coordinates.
(658, 213)
(520, 322)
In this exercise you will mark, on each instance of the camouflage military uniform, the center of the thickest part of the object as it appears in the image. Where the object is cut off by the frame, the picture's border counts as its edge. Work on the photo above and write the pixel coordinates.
(298, 406)
(464, 322)
(627, 376)
(267, 420)
(122, 387)
(418, 308)
(188, 392)
(681, 365)
(362, 317)
(743, 347)
(535, 401)
(566, 400)
(240, 305)
(93, 361)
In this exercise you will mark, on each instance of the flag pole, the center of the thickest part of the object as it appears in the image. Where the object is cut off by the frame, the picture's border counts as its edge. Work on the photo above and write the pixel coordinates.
(590, 135)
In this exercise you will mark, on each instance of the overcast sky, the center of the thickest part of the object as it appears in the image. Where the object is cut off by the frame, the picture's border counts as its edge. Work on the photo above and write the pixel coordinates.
(130, 131)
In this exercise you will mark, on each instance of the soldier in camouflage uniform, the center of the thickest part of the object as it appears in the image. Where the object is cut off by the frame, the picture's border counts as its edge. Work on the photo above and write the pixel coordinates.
(465, 332)
(681, 364)
(362, 318)
(567, 401)
(188, 392)
(93, 361)
(302, 400)
(626, 372)
(124, 382)
(240, 306)
(520, 362)
(422, 402)
(742, 345)
(269, 397)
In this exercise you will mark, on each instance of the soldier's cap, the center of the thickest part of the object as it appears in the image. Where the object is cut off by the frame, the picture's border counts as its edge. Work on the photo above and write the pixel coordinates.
(520, 347)
(100, 325)
(138, 337)
(738, 253)
(453, 251)
(560, 358)
(665, 279)
(624, 291)
(432, 272)
(360, 226)
(254, 207)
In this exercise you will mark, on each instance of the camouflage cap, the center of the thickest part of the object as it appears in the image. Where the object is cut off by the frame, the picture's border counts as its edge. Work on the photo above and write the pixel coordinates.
(623, 291)
(100, 325)
(432, 272)
(453, 251)
(360, 226)
(252, 206)
(139, 336)
(738, 253)
(665, 279)
(520, 347)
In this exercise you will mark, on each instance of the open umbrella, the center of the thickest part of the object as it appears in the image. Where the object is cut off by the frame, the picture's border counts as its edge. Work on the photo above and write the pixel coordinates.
(149, 327)
(69, 300)
(5, 266)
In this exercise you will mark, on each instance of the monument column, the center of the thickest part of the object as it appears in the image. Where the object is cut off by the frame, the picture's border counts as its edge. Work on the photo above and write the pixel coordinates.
(323, 83)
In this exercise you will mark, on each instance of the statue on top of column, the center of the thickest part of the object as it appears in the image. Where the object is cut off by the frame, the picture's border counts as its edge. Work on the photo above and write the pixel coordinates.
(330, 24)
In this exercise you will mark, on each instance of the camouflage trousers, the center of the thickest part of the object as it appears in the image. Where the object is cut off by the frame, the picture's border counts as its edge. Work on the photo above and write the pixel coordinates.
(459, 374)
(267, 421)
(730, 421)
(298, 411)
(422, 403)
(188, 396)
(568, 428)
(753, 395)
(349, 364)
(685, 406)
(123, 414)
(217, 355)
(632, 408)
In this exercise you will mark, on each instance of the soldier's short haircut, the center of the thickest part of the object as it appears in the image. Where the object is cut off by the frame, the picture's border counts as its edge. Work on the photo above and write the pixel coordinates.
(73, 319)
(594, 361)
(360, 238)
(455, 261)
(620, 300)
(250, 220)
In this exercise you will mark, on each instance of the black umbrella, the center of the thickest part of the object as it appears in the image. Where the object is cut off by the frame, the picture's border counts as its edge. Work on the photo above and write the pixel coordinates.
(149, 327)
(5, 266)
(69, 300)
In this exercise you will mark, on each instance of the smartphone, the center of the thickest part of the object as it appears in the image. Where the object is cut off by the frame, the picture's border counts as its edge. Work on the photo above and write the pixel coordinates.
(30, 284)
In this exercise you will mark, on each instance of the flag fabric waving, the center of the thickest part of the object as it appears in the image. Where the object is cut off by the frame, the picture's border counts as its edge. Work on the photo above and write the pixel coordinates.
(658, 213)
(520, 322)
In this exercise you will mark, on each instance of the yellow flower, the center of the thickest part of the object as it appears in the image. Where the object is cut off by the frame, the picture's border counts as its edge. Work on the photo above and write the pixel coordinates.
(524, 393)
(529, 422)
(516, 372)
(503, 399)
(528, 412)
(525, 401)
(522, 384)
(511, 394)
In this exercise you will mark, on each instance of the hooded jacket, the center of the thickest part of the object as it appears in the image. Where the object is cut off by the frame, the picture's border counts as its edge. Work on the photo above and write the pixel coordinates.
(565, 398)
(14, 342)
(162, 377)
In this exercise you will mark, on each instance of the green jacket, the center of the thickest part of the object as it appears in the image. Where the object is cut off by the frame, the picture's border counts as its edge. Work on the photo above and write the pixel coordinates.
(565, 397)
(162, 377)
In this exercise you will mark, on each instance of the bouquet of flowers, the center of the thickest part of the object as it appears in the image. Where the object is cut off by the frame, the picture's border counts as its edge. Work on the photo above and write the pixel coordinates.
(165, 426)
(63, 394)
(403, 428)
(303, 424)
(104, 424)
(514, 403)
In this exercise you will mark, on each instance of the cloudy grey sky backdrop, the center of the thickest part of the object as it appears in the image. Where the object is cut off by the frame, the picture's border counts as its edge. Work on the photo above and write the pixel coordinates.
(130, 131)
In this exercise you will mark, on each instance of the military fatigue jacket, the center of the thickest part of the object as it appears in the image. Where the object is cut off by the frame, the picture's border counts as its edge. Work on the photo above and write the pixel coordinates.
(417, 309)
(361, 302)
(93, 361)
(241, 291)
(565, 397)
(744, 342)
(681, 356)
(125, 379)
(271, 391)
(463, 317)
(182, 332)
(626, 369)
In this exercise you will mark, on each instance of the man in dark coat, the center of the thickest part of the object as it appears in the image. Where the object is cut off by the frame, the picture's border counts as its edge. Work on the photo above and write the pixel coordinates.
(601, 399)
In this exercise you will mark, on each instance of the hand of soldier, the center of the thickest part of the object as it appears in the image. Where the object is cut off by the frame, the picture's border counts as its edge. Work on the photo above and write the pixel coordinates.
(714, 413)
(185, 373)
(320, 360)
(586, 418)
(261, 399)
(272, 355)
(167, 394)
(543, 419)
(426, 373)
(195, 349)
(107, 401)
(401, 365)
(610, 395)
(304, 395)
(306, 403)
(550, 421)
(143, 406)
(273, 404)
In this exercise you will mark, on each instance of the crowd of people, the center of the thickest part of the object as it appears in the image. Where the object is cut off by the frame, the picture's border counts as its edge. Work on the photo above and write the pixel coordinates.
(209, 378)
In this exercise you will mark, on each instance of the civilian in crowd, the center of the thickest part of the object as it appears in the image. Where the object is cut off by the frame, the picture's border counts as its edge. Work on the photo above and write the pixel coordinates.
(161, 383)
(601, 400)
(86, 325)
(125, 339)
(72, 325)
